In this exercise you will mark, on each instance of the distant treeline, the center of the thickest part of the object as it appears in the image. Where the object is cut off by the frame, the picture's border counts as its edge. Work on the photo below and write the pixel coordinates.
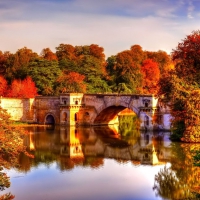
(81, 69)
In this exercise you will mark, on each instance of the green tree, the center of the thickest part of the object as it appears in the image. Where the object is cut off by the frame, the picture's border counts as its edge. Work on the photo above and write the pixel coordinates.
(125, 68)
(87, 60)
(19, 67)
(44, 73)
(7, 66)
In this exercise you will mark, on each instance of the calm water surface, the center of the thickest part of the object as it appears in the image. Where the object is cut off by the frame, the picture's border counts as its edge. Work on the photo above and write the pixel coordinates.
(102, 163)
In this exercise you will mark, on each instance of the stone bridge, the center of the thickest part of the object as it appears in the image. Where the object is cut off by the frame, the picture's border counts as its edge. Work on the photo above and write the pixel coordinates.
(88, 109)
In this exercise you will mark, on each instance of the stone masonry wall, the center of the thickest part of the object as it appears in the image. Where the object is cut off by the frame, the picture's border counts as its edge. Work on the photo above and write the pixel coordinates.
(20, 109)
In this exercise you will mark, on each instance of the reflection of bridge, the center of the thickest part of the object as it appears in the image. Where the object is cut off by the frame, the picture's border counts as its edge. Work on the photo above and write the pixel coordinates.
(88, 109)
(87, 142)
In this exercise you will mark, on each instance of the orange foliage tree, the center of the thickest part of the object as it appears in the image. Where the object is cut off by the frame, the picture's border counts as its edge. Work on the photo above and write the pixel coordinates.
(70, 82)
(3, 86)
(151, 76)
(48, 54)
(23, 88)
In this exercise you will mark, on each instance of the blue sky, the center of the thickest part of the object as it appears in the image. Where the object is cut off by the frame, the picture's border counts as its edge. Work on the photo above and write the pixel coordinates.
(115, 25)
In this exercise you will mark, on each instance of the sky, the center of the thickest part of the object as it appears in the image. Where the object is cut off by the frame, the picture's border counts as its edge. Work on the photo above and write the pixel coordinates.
(115, 25)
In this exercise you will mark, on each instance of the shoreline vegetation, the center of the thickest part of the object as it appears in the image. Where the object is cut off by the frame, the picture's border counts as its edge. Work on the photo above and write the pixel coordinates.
(24, 124)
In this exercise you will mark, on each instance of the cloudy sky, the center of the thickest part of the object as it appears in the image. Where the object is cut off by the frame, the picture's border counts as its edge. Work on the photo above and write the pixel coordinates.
(115, 25)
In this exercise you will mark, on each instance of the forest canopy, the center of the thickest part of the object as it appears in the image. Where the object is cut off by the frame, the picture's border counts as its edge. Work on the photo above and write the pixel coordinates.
(80, 69)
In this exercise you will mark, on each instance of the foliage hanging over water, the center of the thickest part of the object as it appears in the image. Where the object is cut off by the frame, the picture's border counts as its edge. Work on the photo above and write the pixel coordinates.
(180, 87)
(11, 145)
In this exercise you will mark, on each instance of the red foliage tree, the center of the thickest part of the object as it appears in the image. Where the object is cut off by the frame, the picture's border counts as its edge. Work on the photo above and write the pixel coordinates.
(23, 88)
(151, 76)
(3, 86)
(187, 58)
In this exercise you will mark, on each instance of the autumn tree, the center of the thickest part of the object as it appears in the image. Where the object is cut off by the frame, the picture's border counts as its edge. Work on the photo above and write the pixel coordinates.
(162, 59)
(48, 54)
(22, 88)
(6, 66)
(70, 82)
(3, 86)
(65, 51)
(125, 68)
(180, 87)
(87, 60)
(21, 61)
(151, 76)
(4, 62)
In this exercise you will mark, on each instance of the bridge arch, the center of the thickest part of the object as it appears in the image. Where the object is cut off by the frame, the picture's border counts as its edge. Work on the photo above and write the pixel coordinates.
(122, 104)
(50, 119)
(109, 115)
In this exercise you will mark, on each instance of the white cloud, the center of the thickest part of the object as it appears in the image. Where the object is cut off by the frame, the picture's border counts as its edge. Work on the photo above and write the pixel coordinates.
(190, 9)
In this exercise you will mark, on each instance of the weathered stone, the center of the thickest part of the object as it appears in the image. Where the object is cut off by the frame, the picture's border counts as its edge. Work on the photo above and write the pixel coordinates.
(87, 109)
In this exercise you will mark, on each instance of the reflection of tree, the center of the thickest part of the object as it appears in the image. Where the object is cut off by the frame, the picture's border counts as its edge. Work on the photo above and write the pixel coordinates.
(178, 181)
(67, 163)
(7, 196)
(94, 162)
(40, 157)
(168, 186)
(129, 128)
(122, 161)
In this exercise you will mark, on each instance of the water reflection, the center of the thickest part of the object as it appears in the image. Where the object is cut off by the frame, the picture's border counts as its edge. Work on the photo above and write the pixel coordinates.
(76, 146)
(182, 179)
(168, 166)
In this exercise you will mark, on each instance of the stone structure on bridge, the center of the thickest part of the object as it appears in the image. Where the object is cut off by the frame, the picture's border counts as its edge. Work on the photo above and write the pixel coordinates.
(88, 109)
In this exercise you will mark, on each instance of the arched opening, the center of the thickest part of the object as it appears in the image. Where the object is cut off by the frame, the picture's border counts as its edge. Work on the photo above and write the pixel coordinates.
(146, 104)
(146, 121)
(64, 118)
(147, 139)
(87, 114)
(76, 133)
(111, 115)
(50, 119)
(76, 117)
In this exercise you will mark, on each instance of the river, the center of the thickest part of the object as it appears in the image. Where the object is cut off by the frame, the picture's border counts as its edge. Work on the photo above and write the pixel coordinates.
(87, 163)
